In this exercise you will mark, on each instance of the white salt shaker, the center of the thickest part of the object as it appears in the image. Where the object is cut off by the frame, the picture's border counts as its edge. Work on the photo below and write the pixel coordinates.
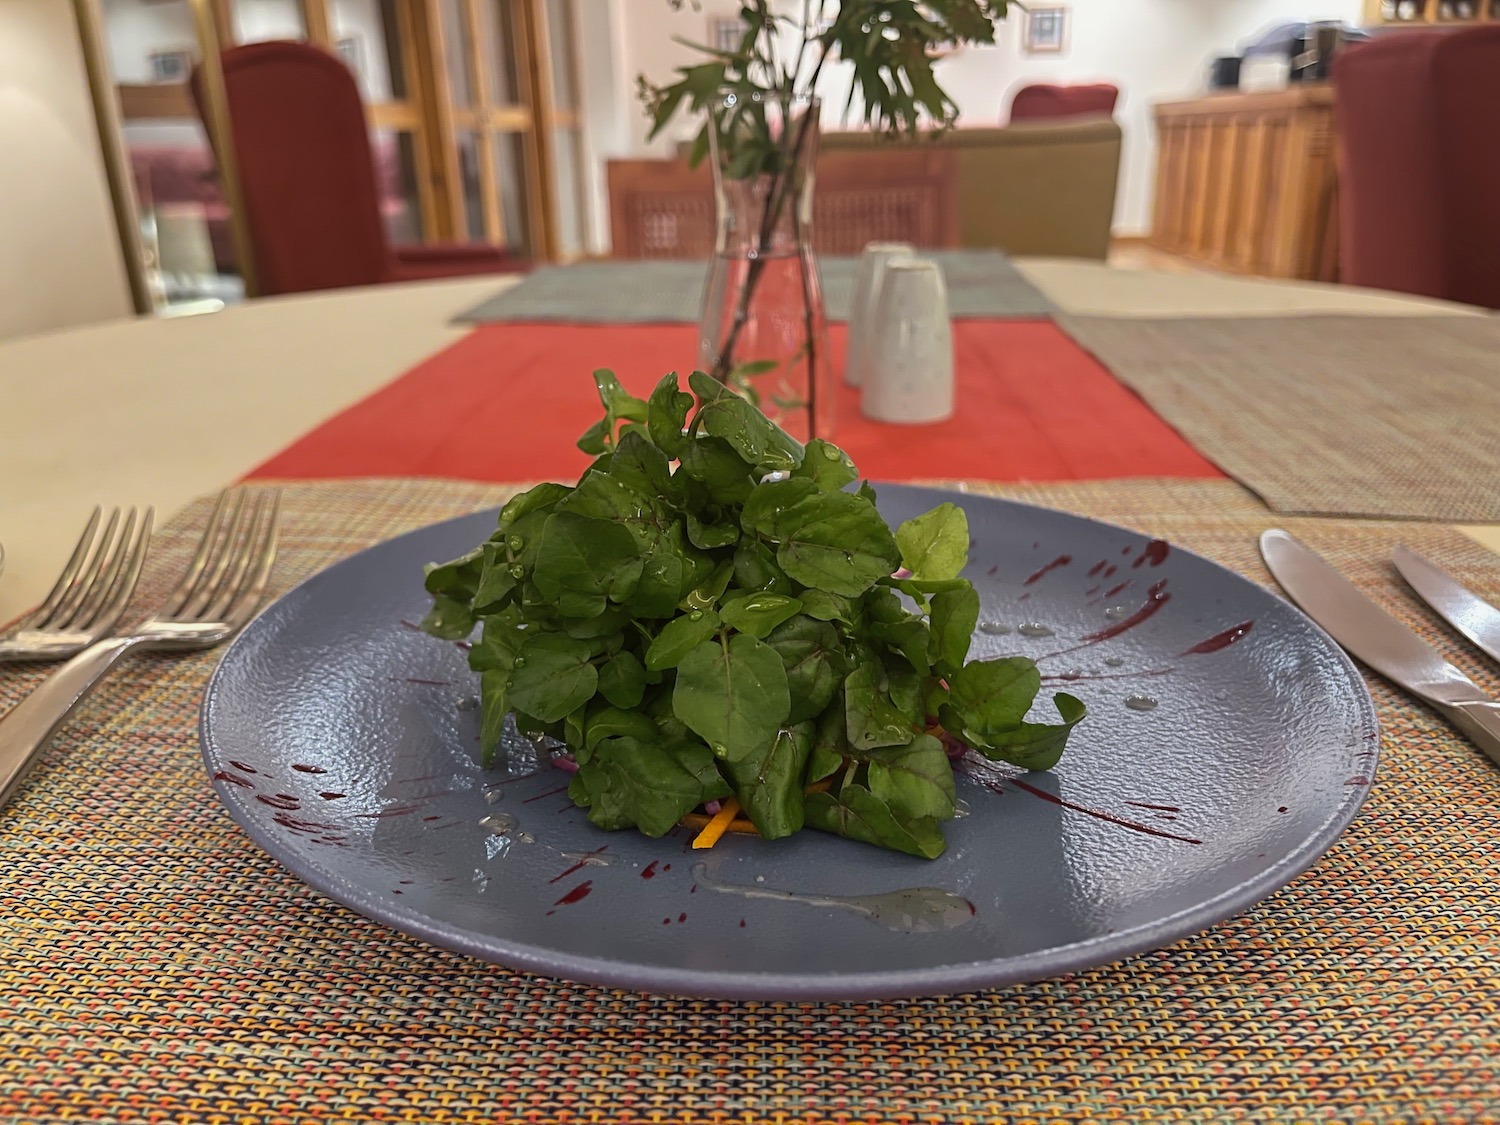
(910, 374)
(862, 308)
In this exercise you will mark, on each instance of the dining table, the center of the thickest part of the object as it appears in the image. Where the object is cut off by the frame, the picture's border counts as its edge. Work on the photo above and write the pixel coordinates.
(157, 965)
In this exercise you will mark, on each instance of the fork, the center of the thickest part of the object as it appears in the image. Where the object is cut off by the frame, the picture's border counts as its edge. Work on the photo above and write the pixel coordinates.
(220, 592)
(90, 595)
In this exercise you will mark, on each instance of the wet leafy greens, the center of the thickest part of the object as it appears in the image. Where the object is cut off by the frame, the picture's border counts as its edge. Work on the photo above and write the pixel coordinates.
(736, 627)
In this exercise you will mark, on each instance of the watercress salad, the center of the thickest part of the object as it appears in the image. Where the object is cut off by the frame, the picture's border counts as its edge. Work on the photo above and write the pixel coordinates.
(732, 635)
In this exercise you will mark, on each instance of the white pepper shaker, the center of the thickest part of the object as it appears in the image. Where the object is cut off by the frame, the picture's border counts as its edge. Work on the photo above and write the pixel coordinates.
(862, 308)
(910, 375)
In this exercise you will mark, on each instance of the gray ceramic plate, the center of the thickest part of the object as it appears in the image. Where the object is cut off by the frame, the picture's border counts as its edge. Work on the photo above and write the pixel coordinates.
(343, 741)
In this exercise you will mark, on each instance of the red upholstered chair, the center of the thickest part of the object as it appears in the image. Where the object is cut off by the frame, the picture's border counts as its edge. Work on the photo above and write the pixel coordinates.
(308, 178)
(1042, 101)
(1417, 115)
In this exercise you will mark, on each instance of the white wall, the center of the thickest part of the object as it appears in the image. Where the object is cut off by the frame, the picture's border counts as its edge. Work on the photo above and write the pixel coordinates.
(60, 258)
(1155, 50)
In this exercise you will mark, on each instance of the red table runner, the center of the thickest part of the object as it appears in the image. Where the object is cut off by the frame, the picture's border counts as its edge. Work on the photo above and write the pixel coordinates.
(507, 403)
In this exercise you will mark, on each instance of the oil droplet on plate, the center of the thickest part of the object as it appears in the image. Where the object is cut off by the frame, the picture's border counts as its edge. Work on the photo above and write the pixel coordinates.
(589, 859)
(1140, 703)
(960, 809)
(500, 824)
(994, 628)
(1033, 629)
(1115, 612)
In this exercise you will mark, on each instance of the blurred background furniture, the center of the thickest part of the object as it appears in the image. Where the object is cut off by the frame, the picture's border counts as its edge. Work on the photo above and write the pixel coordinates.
(309, 180)
(665, 209)
(1418, 119)
(1045, 188)
(1245, 182)
(1041, 101)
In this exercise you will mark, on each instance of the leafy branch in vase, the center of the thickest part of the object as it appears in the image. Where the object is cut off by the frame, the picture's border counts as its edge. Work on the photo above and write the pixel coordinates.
(758, 102)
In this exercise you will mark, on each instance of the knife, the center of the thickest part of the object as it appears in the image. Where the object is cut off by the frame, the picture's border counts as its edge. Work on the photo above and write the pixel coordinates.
(1382, 642)
(1454, 602)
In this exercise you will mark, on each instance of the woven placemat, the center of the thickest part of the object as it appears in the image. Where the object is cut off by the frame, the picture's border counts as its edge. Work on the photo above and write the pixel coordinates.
(981, 283)
(155, 966)
(1355, 416)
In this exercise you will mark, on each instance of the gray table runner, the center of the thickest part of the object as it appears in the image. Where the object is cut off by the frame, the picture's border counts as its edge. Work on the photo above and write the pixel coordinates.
(1327, 415)
(981, 283)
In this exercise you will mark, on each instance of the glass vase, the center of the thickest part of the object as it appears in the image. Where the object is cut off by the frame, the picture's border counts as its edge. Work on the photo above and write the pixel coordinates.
(763, 329)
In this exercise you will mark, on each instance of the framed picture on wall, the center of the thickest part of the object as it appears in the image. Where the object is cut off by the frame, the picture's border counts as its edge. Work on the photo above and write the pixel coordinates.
(170, 66)
(1046, 30)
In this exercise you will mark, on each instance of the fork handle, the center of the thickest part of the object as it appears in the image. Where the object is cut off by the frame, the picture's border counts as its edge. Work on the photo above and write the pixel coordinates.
(27, 726)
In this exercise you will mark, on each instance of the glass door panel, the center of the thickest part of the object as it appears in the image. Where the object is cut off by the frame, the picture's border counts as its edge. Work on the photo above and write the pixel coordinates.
(255, 21)
(367, 36)
(396, 183)
(497, 47)
(510, 165)
(457, 36)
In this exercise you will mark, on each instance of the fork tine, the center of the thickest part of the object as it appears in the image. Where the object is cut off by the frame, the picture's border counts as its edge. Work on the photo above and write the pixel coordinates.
(237, 563)
(42, 612)
(73, 599)
(207, 545)
(124, 584)
(252, 590)
(216, 571)
(95, 597)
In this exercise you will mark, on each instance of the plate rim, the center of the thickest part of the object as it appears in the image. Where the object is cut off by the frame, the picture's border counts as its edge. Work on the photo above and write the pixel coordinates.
(953, 978)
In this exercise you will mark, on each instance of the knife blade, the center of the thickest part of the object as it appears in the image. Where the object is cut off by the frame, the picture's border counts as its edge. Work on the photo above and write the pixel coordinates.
(1454, 602)
(1373, 636)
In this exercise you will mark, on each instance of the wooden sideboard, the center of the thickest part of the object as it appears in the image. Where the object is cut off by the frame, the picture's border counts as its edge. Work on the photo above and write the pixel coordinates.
(1245, 182)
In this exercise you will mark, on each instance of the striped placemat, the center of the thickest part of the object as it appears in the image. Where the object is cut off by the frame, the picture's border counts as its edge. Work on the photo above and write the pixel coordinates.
(1384, 417)
(156, 966)
(981, 283)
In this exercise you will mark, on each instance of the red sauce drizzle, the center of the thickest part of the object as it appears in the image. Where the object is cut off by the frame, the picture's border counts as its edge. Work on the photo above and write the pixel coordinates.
(330, 795)
(280, 801)
(242, 767)
(649, 871)
(1098, 815)
(233, 779)
(1097, 567)
(1154, 552)
(577, 894)
(1061, 560)
(1156, 597)
(549, 793)
(1221, 640)
(308, 769)
(1159, 808)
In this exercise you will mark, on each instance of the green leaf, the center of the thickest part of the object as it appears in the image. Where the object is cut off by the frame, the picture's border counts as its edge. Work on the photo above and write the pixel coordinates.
(667, 415)
(494, 705)
(755, 568)
(645, 470)
(649, 785)
(814, 664)
(449, 618)
(581, 561)
(541, 498)
(710, 536)
(619, 405)
(732, 694)
(758, 440)
(909, 637)
(989, 697)
(914, 780)
(724, 474)
(935, 545)
(499, 642)
(955, 613)
(551, 677)
(769, 783)
(457, 578)
(857, 813)
(663, 573)
(758, 614)
(612, 722)
(823, 606)
(496, 580)
(622, 680)
(1037, 746)
(827, 466)
(830, 541)
(872, 720)
(679, 637)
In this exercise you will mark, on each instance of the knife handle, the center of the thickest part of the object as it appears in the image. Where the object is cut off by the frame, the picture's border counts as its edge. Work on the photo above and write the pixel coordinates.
(1480, 723)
